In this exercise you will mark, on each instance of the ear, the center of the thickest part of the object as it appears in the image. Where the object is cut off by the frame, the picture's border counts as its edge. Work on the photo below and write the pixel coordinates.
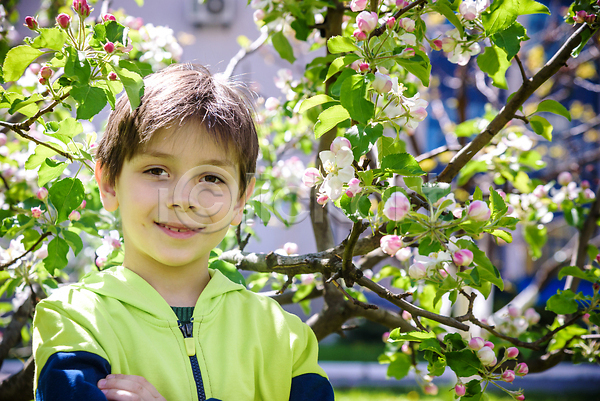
(107, 190)
(238, 210)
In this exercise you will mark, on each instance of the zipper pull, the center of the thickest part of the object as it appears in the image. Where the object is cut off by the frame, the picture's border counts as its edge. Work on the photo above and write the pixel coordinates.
(187, 330)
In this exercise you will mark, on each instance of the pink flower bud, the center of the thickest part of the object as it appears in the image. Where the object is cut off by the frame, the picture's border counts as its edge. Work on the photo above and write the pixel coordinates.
(588, 194)
(322, 199)
(598, 256)
(36, 212)
(448, 44)
(31, 23)
(513, 311)
(390, 244)
(486, 356)
(564, 178)
(520, 397)
(539, 191)
(385, 337)
(532, 316)
(403, 254)
(366, 21)
(512, 352)
(580, 16)
(479, 211)
(382, 83)
(340, 143)
(42, 193)
(353, 187)
(391, 22)
(258, 15)
(396, 207)
(100, 261)
(42, 80)
(406, 348)
(358, 5)
(109, 47)
(406, 315)
(402, 3)
(462, 257)
(362, 67)
(74, 215)
(82, 8)
(522, 369)
(108, 17)
(430, 389)
(508, 376)
(585, 184)
(3, 138)
(63, 20)
(436, 44)
(489, 344)
(35, 68)
(83, 203)
(408, 53)
(311, 177)
(112, 76)
(586, 318)
(417, 271)
(291, 248)
(272, 103)
(359, 35)
(408, 24)
(476, 343)
(460, 390)
(46, 72)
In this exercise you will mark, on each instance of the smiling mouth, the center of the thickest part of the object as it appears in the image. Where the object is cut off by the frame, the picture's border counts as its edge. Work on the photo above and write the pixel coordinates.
(179, 229)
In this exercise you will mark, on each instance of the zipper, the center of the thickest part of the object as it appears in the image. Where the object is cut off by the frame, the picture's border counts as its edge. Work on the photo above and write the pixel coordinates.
(187, 330)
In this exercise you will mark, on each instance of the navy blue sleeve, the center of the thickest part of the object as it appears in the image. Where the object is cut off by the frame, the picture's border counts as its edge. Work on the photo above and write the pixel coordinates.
(72, 376)
(311, 387)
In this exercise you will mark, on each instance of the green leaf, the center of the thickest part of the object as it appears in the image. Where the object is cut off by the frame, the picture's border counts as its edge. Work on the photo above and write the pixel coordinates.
(50, 170)
(17, 59)
(418, 336)
(283, 47)
(315, 101)
(541, 126)
(229, 271)
(494, 63)
(74, 241)
(38, 157)
(57, 255)
(467, 128)
(585, 36)
(418, 65)
(510, 39)
(50, 38)
(401, 163)
(503, 13)
(552, 106)
(329, 118)
(487, 270)
(340, 63)
(77, 66)
(563, 303)
(363, 138)
(341, 44)
(431, 344)
(66, 195)
(400, 366)
(443, 7)
(133, 83)
(64, 130)
(116, 32)
(464, 362)
(91, 101)
(261, 211)
(454, 341)
(414, 183)
(353, 99)
(576, 272)
(536, 236)
(434, 191)
(388, 146)
(497, 205)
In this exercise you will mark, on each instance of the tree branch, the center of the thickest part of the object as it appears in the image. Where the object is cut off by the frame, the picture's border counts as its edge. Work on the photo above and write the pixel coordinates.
(521, 68)
(347, 265)
(12, 334)
(19, 387)
(508, 111)
(244, 52)
(9, 263)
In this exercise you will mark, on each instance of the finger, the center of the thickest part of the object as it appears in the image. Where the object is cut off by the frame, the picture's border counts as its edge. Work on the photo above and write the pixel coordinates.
(131, 383)
(121, 395)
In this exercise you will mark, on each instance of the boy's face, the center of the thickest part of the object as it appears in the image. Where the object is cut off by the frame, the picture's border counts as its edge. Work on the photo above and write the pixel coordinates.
(177, 198)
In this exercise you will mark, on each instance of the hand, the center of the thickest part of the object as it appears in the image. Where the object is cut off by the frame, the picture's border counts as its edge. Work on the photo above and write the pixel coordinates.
(129, 388)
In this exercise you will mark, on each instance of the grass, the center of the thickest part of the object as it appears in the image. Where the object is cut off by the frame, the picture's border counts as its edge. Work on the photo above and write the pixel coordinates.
(388, 394)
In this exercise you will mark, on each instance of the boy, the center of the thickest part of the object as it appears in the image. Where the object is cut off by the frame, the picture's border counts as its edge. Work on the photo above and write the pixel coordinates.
(163, 326)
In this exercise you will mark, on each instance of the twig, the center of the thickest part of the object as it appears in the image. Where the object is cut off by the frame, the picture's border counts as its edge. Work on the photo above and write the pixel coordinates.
(244, 52)
(507, 113)
(522, 118)
(521, 68)
(9, 263)
(4, 182)
(285, 286)
(287, 298)
(438, 151)
(381, 29)
(354, 300)
(347, 266)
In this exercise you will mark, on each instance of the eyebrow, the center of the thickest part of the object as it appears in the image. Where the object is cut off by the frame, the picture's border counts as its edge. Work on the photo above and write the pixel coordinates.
(215, 162)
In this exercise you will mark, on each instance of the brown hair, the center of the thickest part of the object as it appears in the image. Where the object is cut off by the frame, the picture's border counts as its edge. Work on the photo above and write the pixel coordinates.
(179, 94)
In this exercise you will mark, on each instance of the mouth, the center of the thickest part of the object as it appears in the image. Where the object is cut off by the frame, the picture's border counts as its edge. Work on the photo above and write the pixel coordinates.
(179, 228)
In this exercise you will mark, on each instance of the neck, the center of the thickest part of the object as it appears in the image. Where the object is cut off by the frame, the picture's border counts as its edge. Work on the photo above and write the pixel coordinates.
(178, 285)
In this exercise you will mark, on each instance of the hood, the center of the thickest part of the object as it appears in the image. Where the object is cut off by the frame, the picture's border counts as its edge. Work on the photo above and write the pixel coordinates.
(126, 286)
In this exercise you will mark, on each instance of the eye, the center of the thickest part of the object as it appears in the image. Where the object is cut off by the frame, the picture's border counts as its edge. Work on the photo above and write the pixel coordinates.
(212, 179)
(157, 171)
